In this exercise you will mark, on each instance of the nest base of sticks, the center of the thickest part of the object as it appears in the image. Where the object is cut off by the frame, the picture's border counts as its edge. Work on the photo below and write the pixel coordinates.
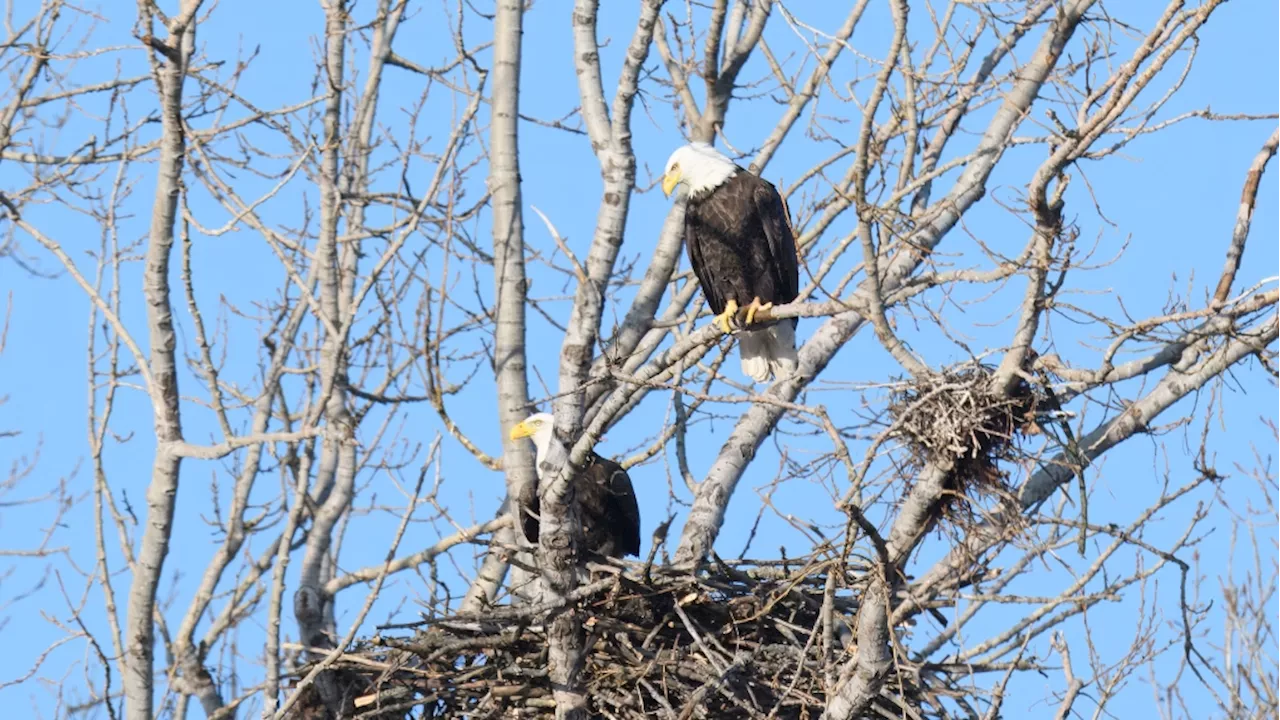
(746, 640)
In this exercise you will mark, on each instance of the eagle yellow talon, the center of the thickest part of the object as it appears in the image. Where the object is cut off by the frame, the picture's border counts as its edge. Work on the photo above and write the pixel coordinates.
(756, 307)
(730, 313)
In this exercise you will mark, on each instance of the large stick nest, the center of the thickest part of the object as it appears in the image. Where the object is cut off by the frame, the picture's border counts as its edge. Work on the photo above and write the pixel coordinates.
(746, 642)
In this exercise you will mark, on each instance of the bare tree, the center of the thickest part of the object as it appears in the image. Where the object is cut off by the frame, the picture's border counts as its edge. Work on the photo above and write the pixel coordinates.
(308, 283)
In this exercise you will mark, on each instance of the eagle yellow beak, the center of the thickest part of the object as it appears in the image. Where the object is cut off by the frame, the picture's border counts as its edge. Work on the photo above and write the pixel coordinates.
(669, 181)
(523, 430)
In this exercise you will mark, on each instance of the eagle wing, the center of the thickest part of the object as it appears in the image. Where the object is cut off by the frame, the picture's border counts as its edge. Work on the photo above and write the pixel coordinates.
(772, 212)
(706, 278)
(529, 505)
(621, 510)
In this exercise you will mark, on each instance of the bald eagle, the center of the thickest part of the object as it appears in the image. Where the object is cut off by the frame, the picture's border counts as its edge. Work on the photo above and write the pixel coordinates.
(606, 501)
(742, 250)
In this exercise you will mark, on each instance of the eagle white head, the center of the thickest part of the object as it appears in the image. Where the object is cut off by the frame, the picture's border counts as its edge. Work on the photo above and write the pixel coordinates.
(537, 427)
(699, 166)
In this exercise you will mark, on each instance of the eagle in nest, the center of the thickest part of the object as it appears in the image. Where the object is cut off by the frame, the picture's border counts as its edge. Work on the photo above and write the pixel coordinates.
(743, 252)
(606, 502)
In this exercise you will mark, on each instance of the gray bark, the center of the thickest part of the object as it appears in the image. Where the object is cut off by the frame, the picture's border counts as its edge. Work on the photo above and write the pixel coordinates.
(611, 140)
(334, 482)
(509, 290)
(139, 666)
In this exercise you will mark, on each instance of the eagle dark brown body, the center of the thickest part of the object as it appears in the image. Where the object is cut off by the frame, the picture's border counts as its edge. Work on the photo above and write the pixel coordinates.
(607, 507)
(740, 244)
(606, 501)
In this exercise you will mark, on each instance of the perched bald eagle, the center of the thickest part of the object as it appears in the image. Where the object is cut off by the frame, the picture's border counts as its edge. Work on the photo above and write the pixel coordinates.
(742, 250)
(606, 501)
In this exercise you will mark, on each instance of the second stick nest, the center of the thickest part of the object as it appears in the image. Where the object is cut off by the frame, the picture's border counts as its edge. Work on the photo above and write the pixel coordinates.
(958, 416)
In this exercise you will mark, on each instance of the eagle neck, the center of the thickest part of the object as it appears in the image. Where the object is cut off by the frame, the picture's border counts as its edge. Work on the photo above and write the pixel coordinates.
(715, 178)
(541, 444)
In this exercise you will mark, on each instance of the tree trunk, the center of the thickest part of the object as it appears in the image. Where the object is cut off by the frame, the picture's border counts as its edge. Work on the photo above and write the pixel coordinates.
(509, 289)
(139, 667)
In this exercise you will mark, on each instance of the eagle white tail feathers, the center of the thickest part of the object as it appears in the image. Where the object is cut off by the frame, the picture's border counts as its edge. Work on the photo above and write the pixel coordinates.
(770, 352)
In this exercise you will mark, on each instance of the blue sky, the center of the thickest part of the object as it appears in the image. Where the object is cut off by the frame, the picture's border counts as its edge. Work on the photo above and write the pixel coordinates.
(1171, 197)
